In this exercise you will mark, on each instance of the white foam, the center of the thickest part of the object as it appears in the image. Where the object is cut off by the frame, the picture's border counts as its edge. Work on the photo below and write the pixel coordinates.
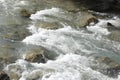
(100, 27)
(51, 15)
(67, 67)
(39, 14)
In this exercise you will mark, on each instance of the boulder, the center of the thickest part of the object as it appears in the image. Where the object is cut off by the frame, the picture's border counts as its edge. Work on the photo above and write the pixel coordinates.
(84, 18)
(4, 76)
(36, 56)
(26, 13)
(39, 55)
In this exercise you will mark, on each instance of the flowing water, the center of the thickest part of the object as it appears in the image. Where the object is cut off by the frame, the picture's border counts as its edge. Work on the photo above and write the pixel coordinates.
(77, 49)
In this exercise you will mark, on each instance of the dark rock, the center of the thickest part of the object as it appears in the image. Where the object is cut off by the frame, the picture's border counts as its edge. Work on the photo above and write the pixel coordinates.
(4, 76)
(112, 72)
(100, 5)
(111, 27)
(26, 13)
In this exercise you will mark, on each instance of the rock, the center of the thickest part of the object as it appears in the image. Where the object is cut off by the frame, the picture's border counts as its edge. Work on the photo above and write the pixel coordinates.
(84, 18)
(47, 25)
(25, 13)
(4, 76)
(100, 5)
(112, 27)
(115, 35)
(39, 55)
(36, 56)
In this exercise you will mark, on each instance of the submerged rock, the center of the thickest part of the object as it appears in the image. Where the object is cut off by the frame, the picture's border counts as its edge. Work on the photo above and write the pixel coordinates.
(7, 54)
(4, 76)
(109, 62)
(114, 68)
(115, 35)
(15, 33)
(47, 25)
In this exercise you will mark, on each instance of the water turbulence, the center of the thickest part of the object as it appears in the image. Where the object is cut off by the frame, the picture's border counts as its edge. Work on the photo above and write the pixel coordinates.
(76, 52)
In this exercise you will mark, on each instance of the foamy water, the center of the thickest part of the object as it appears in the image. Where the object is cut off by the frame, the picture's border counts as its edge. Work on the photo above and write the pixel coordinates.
(76, 48)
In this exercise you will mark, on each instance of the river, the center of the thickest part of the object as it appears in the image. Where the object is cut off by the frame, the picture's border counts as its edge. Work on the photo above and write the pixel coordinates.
(77, 49)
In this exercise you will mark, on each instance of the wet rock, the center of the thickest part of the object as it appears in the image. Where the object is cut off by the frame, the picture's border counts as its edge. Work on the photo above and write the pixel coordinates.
(111, 27)
(4, 76)
(26, 13)
(36, 56)
(39, 55)
(115, 35)
(47, 25)
(85, 18)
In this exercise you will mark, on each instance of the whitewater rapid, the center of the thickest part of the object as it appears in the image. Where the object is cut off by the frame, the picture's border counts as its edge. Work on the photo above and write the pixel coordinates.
(77, 48)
